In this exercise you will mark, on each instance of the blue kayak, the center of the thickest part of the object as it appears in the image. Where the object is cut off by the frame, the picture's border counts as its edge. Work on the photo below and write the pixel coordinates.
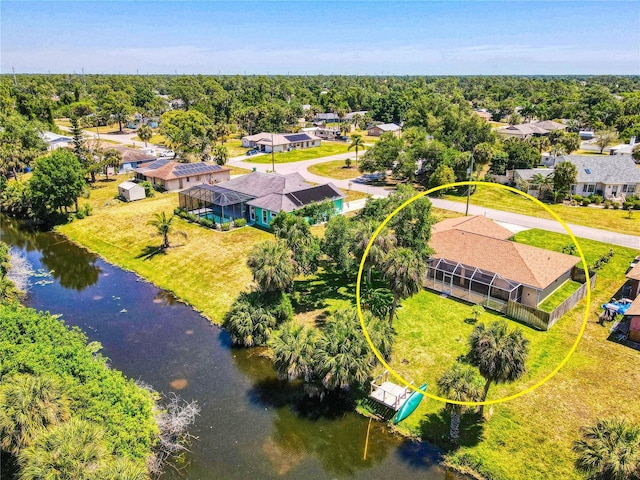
(410, 405)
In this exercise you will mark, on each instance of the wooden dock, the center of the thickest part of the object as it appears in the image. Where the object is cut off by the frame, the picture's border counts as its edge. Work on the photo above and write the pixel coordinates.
(388, 393)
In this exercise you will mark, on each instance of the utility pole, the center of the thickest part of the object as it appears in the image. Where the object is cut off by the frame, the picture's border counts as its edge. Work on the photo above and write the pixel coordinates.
(15, 82)
(466, 212)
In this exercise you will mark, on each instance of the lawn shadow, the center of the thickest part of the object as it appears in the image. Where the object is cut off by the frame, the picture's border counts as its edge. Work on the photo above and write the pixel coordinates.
(435, 429)
(313, 293)
(471, 321)
(151, 251)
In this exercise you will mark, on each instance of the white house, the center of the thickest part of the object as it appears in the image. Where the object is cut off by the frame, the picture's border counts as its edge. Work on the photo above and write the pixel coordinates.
(131, 191)
(377, 130)
(612, 176)
(55, 141)
(280, 142)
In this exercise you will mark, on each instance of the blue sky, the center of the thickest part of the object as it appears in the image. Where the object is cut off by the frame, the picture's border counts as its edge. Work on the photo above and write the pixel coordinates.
(321, 37)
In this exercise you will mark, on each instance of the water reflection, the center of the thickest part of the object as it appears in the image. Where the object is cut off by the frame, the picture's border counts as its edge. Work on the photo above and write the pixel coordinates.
(72, 266)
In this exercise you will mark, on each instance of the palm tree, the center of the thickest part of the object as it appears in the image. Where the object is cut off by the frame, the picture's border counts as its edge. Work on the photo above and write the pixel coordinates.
(358, 143)
(294, 351)
(384, 242)
(69, 450)
(609, 450)
(112, 158)
(542, 183)
(405, 272)
(123, 469)
(164, 227)
(499, 354)
(460, 383)
(29, 404)
(272, 266)
(220, 154)
(145, 133)
(344, 357)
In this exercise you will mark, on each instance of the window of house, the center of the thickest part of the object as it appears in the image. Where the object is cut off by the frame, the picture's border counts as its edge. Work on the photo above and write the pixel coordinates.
(252, 213)
(628, 188)
(188, 180)
(197, 178)
(264, 217)
(591, 188)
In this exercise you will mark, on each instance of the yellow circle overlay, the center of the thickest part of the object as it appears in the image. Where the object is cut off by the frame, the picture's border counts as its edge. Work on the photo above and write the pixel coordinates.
(486, 402)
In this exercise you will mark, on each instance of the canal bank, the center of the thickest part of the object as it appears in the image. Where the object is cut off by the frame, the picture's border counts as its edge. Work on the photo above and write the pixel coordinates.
(251, 424)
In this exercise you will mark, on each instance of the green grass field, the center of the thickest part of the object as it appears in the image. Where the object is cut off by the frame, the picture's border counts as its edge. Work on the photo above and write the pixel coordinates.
(325, 150)
(335, 169)
(118, 231)
(612, 220)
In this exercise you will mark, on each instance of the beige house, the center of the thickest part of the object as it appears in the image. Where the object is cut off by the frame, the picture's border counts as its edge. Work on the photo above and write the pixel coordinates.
(527, 130)
(173, 176)
(377, 130)
(280, 142)
(474, 260)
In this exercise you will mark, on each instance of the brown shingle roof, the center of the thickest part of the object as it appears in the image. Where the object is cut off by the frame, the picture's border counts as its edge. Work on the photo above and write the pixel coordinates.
(634, 273)
(476, 224)
(473, 245)
(634, 310)
(133, 154)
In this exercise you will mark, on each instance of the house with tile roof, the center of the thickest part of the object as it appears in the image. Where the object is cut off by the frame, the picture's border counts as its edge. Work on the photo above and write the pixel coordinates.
(474, 260)
(133, 158)
(173, 176)
(527, 130)
(258, 197)
(280, 142)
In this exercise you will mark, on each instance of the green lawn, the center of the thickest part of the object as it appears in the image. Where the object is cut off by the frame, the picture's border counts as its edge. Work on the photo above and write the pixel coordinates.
(207, 269)
(325, 150)
(530, 437)
(335, 169)
(612, 220)
(559, 296)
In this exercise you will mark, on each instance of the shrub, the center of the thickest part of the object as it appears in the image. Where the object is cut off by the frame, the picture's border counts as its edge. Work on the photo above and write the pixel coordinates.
(226, 226)
(586, 202)
(240, 222)
(616, 206)
(80, 215)
(191, 217)
(148, 188)
(204, 221)
(87, 209)
(597, 199)
(577, 198)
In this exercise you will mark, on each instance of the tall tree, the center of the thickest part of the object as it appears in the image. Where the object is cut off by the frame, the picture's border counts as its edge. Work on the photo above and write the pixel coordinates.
(404, 270)
(609, 450)
(29, 404)
(145, 133)
(357, 143)
(337, 243)
(272, 265)
(296, 233)
(606, 137)
(565, 174)
(164, 227)
(294, 352)
(57, 181)
(499, 353)
(460, 383)
(384, 243)
(111, 159)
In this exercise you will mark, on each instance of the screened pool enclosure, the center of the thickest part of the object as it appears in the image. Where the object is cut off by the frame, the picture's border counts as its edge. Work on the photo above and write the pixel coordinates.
(472, 284)
(214, 202)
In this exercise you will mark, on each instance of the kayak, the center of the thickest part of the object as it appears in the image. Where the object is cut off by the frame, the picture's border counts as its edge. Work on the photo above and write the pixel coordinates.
(410, 405)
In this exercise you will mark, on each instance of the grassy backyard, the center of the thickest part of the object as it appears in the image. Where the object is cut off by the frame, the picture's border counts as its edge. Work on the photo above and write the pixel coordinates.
(335, 169)
(325, 150)
(192, 268)
(596, 217)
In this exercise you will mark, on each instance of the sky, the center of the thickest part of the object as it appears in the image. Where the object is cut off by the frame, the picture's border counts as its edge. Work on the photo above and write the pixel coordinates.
(321, 37)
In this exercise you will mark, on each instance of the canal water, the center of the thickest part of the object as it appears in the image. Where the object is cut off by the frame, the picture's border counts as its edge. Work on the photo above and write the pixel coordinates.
(251, 425)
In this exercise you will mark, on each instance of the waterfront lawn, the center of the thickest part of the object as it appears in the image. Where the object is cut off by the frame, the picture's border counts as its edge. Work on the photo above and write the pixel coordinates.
(612, 220)
(207, 269)
(325, 150)
(335, 169)
(531, 436)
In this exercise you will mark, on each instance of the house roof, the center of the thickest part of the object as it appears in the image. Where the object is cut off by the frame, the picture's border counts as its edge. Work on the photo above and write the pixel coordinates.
(51, 137)
(529, 173)
(387, 127)
(258, 184)
(634, 310)
(130, 155)
(550, 125)
(475, 224)
(607, 169)
(634, 273)
(293, 200)
(165, 169)
(471, 243)
(266, 138)
(129, 185)
(523, 129)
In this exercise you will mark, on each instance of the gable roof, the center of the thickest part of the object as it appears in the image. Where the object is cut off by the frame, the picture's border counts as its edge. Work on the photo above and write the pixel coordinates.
(296, 199)
(258, 184)
(550, 125)
(634, 273)
(129, 186)
(165, 169)
(607, 169)
(387, 127)
(130, 155)
(475, 224)
(634, 310)
(529, 173)
(471, 243)
(523, 129)
(266, 138)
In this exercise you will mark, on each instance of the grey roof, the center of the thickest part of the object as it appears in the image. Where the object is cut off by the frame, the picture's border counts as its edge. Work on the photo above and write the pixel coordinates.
(292, 200)
(216, 195)
(258, 184)
(529, 173)
(607, 169)
(129, 185)
(388, 127)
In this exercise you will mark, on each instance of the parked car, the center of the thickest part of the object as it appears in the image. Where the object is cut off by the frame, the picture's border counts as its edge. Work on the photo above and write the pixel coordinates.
(253, 151)
(168, 153)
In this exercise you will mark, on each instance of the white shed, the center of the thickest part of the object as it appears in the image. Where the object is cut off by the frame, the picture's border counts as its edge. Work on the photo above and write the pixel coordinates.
(131, 191)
